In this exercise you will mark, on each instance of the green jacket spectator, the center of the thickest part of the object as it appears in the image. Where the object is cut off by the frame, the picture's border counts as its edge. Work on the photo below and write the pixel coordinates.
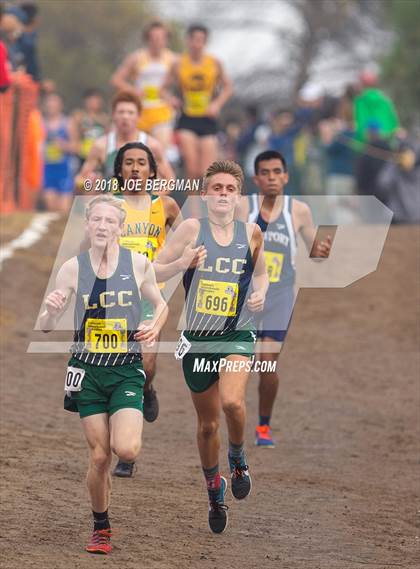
(373, 105)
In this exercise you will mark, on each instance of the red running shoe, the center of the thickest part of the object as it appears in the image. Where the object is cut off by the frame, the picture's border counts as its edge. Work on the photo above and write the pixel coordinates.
(100, 542)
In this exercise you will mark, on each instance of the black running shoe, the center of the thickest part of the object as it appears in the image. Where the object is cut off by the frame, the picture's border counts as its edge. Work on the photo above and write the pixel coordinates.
(124, 469)
(240, 478)
(218, 518)
(150, 405)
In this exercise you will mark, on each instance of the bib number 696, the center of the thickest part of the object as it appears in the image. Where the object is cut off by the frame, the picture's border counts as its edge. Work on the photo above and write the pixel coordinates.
(74, 379)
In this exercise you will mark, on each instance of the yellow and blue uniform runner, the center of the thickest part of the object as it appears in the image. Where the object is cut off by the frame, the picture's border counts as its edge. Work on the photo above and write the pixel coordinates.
(198, 83)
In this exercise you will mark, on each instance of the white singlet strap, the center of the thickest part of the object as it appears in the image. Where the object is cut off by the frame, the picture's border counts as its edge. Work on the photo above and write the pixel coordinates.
(111, 142)
(287, 214)
(254, 208)
(142, 137)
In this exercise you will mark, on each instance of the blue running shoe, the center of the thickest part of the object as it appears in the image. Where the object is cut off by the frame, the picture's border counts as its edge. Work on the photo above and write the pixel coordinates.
(239, 477)
(264, 437)
(218, 518)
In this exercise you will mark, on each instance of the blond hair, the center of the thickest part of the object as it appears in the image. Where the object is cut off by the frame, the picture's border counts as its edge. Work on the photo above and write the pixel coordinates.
(224, 167)
(109, 200)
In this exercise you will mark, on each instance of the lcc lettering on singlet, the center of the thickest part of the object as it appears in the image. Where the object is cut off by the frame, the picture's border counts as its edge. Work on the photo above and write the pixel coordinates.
(225, 265)
(107, 299)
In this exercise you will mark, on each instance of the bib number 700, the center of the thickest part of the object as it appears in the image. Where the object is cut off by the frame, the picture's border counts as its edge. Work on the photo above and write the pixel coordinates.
(74, 379)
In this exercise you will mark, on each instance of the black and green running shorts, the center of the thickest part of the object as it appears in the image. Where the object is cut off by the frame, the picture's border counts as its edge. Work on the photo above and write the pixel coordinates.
(107, 389)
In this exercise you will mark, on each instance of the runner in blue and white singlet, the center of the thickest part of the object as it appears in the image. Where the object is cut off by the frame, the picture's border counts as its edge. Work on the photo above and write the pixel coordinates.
(280, 218)
(279, 252)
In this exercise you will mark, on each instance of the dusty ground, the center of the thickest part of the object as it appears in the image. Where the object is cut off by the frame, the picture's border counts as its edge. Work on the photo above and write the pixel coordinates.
(340, 491)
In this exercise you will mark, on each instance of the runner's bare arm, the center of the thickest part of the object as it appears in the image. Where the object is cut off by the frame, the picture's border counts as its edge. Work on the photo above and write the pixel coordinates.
(170, 80)
(225, 93)
(165, 170)
(57, 301)
(259, 276)
(149, 332)
(173, 214)
(306, 227)
(76, 131)
(93, 163)
(74, 135)
(125, 73)
(186, 233)
(180, 251)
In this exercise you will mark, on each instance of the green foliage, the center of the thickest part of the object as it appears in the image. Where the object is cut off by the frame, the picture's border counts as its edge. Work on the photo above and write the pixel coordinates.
(82, 41)
(401, 68)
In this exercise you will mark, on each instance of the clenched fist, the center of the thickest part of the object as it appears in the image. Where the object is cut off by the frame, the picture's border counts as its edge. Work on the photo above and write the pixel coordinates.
(55, 302)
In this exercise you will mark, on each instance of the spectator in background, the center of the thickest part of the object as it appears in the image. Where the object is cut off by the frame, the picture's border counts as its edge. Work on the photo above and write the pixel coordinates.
(308, 167)
(372, 105)
(5, 79)
(337, 137)
(344, 109)
(309, 105)
(284, 129)
(48, 86)
(228, 140)
(248, 145)
(58, 178)
(28, 40)
(294, 135)
(371, 162)
(89, 123)
(11, 28)
(18, 27)
(399, 184)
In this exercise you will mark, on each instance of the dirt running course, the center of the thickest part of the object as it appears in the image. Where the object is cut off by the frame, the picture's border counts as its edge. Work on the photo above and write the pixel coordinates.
(340, 491)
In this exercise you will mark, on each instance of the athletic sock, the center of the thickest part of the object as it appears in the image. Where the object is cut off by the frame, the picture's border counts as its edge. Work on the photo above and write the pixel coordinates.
(212, 476)
(100, 520)
(264, 420)
(236, 451)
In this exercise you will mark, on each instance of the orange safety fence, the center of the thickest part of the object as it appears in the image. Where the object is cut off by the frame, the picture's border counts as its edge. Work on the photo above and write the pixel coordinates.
(21, 138)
